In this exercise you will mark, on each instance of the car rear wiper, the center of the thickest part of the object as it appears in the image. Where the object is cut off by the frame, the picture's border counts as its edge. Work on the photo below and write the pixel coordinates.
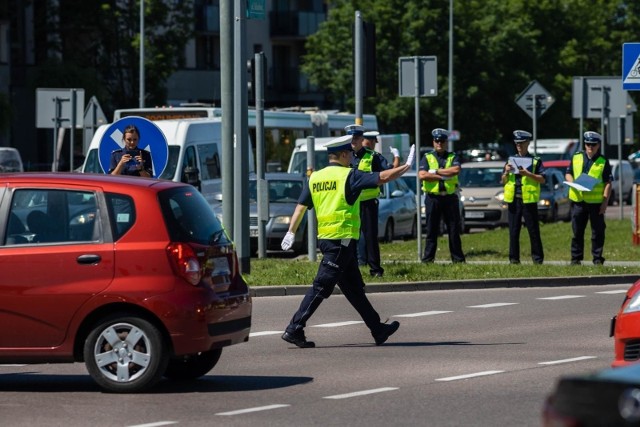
(215, 237)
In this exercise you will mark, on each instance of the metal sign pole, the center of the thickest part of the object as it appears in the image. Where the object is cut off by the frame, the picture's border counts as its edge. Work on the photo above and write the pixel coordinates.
(72, 138)
(535, 123)
(263, 185)
(417, 119)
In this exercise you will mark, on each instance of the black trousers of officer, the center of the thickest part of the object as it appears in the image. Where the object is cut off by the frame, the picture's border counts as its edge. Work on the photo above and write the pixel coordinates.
(369, 233)
(448, 208)
(581, 213)
(529, 211)
(338, 267)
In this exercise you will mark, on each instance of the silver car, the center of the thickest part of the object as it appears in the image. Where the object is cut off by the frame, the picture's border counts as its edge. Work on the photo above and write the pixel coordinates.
(483, 195)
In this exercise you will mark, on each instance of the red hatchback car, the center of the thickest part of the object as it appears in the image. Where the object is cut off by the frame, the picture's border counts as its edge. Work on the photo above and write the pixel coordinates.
(133, 276)
(625, 328)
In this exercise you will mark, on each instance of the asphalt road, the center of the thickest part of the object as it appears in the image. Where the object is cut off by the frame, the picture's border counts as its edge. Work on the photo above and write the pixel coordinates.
(481, 357)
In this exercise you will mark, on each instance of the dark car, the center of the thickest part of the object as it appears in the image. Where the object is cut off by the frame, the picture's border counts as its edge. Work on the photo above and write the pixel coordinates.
(607, 398)
(554, 204)
(134, 277)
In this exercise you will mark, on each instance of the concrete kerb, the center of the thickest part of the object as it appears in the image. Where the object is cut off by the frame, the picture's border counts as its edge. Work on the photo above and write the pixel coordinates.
(273, 291)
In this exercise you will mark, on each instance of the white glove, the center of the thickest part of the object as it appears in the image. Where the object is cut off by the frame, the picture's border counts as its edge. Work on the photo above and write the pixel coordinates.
(287, 242)
(394, 151)
(411, 155)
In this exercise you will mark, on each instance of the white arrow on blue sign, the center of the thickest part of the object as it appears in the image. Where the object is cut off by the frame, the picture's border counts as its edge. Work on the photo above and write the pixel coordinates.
(151, 139)
(631, 66)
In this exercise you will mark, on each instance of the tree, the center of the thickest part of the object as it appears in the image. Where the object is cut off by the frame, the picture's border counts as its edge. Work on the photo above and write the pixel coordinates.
(102, 53)
(500, 46)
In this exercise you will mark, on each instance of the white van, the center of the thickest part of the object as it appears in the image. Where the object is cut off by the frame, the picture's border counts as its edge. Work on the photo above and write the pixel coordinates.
(555, 149)
(298, 162)
(195, 154)
(10, 160)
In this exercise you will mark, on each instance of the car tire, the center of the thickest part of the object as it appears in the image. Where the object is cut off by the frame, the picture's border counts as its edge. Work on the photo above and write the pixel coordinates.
(125, 354)
(194, 366)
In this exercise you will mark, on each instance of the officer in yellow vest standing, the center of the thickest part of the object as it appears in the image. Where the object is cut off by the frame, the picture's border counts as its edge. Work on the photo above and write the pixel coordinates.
(521, 178)
(439, 174)
(368, 160)
(334, 192)
(589, 205)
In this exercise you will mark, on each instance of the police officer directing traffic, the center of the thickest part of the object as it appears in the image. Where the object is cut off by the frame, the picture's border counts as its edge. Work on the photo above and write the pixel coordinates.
(522, 177)
(368, 160)
(591, 169)
(334, 192)
(439, 174)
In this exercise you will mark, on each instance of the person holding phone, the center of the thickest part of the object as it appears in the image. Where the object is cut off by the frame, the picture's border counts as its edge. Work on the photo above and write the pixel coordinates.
(131, 160)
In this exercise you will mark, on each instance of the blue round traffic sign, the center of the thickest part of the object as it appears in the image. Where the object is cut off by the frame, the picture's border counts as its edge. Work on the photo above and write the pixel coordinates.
(151, 139)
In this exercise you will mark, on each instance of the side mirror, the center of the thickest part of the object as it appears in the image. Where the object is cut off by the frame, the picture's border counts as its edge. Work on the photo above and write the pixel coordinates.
(191, 175)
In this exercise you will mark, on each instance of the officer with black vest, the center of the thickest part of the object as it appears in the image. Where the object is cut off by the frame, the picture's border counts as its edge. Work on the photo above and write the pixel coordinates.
(521, 177)
(439, 171)
(589, 204)
(334, 192)
(368, 160)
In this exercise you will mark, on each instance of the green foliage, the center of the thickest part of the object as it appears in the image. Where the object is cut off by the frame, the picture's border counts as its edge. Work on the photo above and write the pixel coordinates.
(487, 255)
(101, 54)
(500, 46)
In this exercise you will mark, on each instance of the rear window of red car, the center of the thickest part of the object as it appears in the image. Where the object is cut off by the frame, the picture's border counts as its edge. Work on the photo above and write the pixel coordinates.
(189, 217)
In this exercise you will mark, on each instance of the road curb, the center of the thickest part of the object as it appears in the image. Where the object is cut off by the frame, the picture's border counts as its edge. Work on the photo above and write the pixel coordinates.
(275, 291)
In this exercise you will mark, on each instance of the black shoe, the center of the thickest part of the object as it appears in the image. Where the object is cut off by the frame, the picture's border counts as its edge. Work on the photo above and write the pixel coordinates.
(514, 261)
(598, 261)
(377, 274)
(298, 339)
(386, 330)
(575, 262)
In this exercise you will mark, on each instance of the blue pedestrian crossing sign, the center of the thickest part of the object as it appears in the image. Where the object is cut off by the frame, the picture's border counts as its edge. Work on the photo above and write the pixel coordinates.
(151, 139)
(631, 66)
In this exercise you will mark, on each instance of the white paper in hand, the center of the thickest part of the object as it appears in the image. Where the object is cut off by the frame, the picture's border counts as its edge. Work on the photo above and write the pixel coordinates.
(394, 151)
(287, 241)
(411, 155)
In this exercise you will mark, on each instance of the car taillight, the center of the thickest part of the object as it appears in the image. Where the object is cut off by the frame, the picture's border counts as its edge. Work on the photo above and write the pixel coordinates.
(185, 263)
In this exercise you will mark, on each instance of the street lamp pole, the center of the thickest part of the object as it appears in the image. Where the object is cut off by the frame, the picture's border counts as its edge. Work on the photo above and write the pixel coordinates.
(450, 108)
(141, 89)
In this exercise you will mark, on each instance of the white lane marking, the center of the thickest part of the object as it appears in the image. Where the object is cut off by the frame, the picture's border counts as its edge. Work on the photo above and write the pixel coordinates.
(563, 297)
(256, 409)
(575, 359)
(159, 423)
(334, 325)
(263, 333)
(464, 377)
(495, 304)
(11, 365)
(361, 393)
(618, 291)
(424, 313)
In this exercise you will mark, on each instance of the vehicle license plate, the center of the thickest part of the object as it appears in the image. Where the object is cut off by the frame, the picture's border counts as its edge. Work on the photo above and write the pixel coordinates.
(253, 232)
(472, 214)
(220, 266)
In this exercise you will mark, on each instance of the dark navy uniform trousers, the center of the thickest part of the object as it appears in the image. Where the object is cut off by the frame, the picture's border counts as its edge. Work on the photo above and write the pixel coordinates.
(339, 266)
(581, 213)
(529, 211)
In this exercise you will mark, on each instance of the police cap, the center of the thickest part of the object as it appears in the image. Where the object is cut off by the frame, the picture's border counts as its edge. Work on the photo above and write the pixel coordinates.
(372, 134)
(341, 143)
(521, 136)
(354, 129)
(440, 134)
(591, 137)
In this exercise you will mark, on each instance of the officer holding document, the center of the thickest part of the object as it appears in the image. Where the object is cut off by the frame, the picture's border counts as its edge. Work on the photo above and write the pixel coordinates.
(521, 178)
(589, 179)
